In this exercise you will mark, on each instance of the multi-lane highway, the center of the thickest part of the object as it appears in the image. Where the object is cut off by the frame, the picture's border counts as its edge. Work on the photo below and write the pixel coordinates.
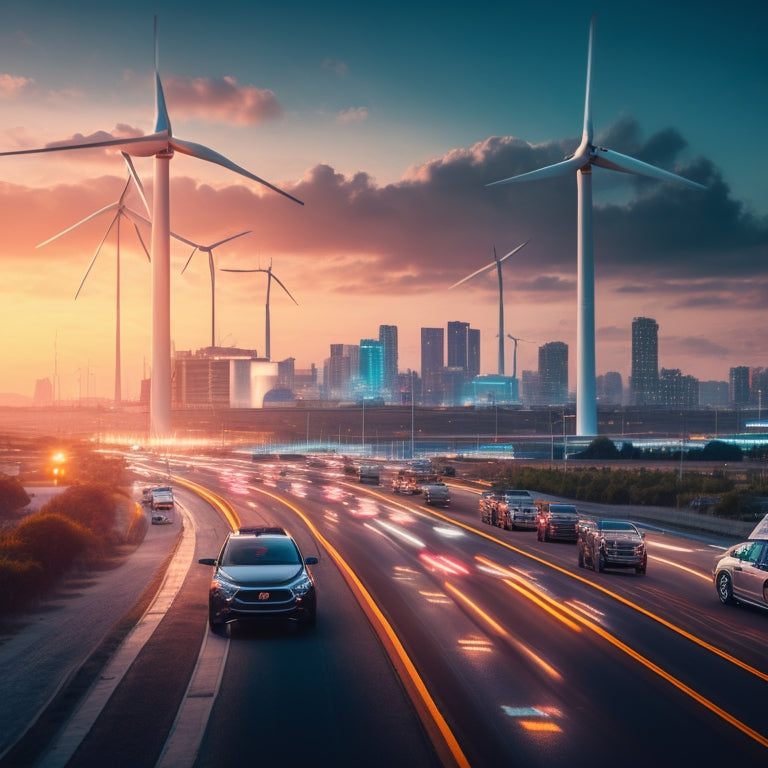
(439, 640)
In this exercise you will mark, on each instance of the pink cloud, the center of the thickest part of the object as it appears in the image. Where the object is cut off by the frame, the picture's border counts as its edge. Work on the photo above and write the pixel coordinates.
(221, 101)
(11, 85)
(353, 115)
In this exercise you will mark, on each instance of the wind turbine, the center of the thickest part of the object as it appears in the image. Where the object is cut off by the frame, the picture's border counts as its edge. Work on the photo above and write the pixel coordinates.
(581, 161)
(161, 145)
(497, 263)
(211, 266)
(514, 354)
(120, 209)
(270, 278)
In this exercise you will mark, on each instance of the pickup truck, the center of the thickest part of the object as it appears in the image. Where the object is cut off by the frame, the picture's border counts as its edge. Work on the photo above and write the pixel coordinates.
(437, 494)
(557, 521)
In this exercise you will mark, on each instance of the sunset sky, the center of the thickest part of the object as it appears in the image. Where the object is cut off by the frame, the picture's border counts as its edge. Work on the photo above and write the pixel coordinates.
(387, 120)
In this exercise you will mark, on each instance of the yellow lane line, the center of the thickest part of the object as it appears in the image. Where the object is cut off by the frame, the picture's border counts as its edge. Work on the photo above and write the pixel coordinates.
(446, 745)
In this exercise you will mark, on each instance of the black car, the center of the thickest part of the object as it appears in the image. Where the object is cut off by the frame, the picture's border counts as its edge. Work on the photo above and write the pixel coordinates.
(611, 544)
(260, 574)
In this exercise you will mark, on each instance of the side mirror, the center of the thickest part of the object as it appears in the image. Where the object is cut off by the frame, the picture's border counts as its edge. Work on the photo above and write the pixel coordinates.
(207, 561)
(311, 561)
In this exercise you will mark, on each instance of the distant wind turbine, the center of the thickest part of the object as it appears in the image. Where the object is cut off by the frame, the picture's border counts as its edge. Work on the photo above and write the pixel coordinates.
(496, 263)
(581, 161)
(270, 278)
(120, 209)
(161, 145)
(212, 267)
(514, 353)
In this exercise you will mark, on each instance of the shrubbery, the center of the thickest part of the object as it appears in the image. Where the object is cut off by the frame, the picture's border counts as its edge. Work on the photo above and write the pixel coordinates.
(12, 496)
(644, 487)
(74, 529)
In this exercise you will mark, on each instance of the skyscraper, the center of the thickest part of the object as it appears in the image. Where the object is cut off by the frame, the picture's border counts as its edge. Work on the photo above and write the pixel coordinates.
(458, 344)
(553, 373)
(473, 352)
(388, 338)
(432, 364)
(371, 367)
(644, 386)
(738, 385)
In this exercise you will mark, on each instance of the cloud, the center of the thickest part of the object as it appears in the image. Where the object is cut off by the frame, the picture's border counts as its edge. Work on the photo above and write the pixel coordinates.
(337, 67)
(221, 100)
(11, 86)
(352, 115)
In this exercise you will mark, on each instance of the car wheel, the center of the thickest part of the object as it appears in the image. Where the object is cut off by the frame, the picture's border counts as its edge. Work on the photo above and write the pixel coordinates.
(725, 588)
(596, 561)
(538, 534)
(641, 568)
(220, 628)
(581, 557)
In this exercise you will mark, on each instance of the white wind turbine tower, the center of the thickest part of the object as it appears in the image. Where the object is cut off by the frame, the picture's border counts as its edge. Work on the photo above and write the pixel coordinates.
(212, 267)
(514, 353)
(120, 209)
(497, 263)
(270, 278)
(581, 161)
(161, 145)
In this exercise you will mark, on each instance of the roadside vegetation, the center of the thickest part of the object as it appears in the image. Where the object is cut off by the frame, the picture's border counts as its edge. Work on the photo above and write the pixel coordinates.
(740, 496)
(85, 527)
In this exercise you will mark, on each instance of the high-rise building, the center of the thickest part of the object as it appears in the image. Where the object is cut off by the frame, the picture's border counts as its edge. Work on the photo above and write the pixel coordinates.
(738, 385)
(609, 388)
(473, 352)
(676, 390)
(553, 373)
(371, 367)
(458, 344)
(388, 337)
(432, 364)
(342, 370)
(644, 385)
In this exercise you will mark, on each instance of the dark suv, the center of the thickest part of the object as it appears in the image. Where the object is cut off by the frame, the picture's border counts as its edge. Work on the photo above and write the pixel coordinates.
(611, 544)
(260, 574)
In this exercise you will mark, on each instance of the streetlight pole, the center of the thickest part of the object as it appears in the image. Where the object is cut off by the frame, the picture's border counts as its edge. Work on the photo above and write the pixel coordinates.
(413, 399)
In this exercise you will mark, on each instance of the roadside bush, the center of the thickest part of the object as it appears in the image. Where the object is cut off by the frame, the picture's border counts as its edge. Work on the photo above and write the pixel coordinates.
(92, 505)
(21, 582)
(53, 541)
(12, 496)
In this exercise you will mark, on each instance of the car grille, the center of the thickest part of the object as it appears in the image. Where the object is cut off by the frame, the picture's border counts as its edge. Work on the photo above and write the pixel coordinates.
(621, 552)
(268, 597)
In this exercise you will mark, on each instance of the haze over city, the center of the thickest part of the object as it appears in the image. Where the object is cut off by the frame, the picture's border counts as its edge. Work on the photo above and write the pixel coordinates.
(387, 121)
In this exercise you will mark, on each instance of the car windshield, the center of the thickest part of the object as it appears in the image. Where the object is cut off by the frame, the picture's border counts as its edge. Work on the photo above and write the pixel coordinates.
(258, 551)
(610, 525)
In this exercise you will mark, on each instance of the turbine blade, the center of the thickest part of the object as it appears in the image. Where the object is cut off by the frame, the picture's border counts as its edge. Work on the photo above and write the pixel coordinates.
(492, 264)
(140, 146)
(548, 172)
(586, 136)
(205, 153)
(226, 240)
(95, 256)
(615, 161)
(162, 121)
(136, 181)
(515, 250)
(279, 282)
(141, 240)
(189, 259)
(476, 272)
(224, 269)
(106, 208)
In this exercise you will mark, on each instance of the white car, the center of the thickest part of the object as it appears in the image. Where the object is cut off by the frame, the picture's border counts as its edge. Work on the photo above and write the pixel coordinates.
(741, 575)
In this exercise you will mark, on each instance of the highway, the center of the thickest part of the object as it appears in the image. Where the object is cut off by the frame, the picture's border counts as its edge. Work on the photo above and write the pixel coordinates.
(440, 640)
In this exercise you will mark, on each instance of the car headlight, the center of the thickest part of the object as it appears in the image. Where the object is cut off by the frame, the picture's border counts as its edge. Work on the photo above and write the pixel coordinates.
(302, 586)
(224, 588)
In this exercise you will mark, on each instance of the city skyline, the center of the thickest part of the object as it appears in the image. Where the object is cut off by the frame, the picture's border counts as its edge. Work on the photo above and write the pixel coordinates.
(391, 159)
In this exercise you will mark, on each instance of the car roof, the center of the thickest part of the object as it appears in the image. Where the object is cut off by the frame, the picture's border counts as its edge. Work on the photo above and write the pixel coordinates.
(261, 530)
